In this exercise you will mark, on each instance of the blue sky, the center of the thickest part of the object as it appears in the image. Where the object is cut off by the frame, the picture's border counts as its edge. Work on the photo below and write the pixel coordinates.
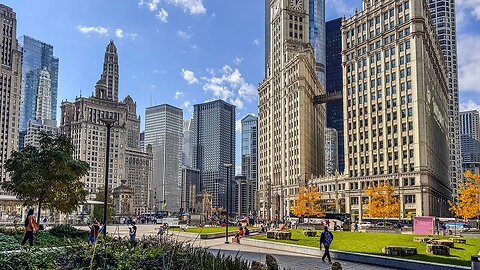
(184, 52)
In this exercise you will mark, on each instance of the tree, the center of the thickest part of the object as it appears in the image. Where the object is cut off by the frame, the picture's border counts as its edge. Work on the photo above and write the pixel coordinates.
(383, 203)
(48, 175)
(308, 203)
(98, 208)
(468, 203)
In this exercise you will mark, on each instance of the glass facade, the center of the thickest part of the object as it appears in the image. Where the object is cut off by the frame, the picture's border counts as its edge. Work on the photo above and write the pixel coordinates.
(213, 127)
(249, 147)
(317, 36)
(334, 83)
(36, 56)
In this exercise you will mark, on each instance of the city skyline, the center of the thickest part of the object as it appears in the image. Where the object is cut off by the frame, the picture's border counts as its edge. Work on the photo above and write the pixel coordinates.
(188, 29)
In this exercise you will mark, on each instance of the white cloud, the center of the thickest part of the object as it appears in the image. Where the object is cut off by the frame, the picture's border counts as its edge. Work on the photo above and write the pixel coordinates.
(194, 7)
(184, 34)
(189, 76)
(179, 94)
(256, 42)
(341, 7)
(469, 63)
(471, 7)
(238, 125)
(229, 85)
(100, 30)
(187, 105)
(238, 60)
(119, 33)
(151, 4)
(469, 105)
(162, 15)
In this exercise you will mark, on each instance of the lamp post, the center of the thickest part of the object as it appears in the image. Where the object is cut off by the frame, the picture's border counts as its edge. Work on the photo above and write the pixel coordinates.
(227, 166)
(108, 122)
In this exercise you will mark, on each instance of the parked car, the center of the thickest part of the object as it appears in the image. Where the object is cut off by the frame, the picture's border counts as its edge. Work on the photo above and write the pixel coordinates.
(384, 225)
(458, 227)
(366, 224)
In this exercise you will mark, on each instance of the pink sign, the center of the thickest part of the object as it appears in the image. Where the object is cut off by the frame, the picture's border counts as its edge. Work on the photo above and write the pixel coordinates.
(423, 225)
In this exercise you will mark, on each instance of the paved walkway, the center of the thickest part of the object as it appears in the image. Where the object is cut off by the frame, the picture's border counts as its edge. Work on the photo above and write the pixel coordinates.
(285, 259)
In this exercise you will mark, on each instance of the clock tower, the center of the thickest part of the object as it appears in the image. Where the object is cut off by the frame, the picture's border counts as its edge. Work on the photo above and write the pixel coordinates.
(291, 128)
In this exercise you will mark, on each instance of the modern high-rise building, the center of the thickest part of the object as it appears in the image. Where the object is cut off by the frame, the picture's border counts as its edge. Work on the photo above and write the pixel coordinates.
(187, 148)
(331, 151)
(395, 96)
(316, 33)
(470, 140)
(247, 189)
(163, 130)
(10, 83)
(213, 127)
(334, 83)
(39, 81)
(443, 19)
(249, 145)
(110, 72)
(82, 121)
(290, 127)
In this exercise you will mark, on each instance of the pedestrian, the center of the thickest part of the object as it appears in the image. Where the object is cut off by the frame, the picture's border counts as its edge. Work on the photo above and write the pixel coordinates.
(356, 227)
(94, 231)
(326, 240)
(241, 232)
(247, 231)
(328, 223)
(44, 222)
(133, 234)
(31, 227)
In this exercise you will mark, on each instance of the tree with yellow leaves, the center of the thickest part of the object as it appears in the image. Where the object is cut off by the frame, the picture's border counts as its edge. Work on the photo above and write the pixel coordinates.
(468, 202)
(308, 203)
(383, 203)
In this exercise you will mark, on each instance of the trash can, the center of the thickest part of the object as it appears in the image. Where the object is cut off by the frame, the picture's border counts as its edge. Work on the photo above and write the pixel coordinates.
(475, 262)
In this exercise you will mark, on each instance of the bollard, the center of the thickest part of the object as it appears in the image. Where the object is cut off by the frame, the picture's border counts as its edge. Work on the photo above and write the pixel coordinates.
(475, 262)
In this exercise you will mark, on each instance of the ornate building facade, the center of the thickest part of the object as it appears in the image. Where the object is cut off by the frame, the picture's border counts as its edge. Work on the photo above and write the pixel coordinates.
(291, 128)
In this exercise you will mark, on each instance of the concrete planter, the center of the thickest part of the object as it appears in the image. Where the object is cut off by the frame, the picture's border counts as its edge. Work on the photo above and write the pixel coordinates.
(438, 250)
(427, 240)
(279, 235)
(458, 240)
(448, 243)
(399, 251)
(310, 233)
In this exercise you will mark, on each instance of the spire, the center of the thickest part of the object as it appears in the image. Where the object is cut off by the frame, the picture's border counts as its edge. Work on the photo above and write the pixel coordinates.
(110, 73)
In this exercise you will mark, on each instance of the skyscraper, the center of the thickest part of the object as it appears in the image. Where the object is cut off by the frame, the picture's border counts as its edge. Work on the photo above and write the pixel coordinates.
(443, 19)
(470, 140)
(247, 188)
(163, 130)
(37, 61)
(110, 71)
(213, 127)
(334, 83)
(395, 105)
(82, 121)
(290, 127)
(331, 151)
(187, 147)
(10, 83)
(316, 32)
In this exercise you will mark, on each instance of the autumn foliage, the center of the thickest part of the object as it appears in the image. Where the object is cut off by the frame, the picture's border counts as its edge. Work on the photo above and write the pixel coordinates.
(468, 202)
(383, 203)
(308, 203)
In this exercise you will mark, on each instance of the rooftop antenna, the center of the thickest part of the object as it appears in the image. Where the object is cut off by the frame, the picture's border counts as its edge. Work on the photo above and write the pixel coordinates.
(80, 91)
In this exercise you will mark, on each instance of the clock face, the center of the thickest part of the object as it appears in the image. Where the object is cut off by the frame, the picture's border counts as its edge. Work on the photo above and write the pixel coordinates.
(296, 4)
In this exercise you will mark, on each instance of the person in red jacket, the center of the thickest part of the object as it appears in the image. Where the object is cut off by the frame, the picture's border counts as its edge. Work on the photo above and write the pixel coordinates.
(31, 226)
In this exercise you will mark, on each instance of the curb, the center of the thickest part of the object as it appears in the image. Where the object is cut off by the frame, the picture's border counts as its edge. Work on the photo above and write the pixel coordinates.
(394, 263)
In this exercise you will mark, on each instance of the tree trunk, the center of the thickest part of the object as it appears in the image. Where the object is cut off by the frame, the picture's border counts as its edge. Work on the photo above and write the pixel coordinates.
(39, 210)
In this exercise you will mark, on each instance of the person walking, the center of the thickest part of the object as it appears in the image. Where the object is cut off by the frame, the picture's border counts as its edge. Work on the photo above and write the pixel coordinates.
(326, 240)
(133, 234)
(31, 227)
(94, 231)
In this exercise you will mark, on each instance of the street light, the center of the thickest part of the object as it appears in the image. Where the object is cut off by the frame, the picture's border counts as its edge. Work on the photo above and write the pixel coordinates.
(108, 122)
(227, 166)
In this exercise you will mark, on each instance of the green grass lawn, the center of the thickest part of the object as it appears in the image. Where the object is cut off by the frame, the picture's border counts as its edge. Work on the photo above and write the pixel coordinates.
(208, 229)
(372, 243)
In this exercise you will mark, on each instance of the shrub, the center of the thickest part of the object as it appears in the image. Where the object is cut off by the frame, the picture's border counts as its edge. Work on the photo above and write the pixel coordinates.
(8, 242)
(68, 231)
